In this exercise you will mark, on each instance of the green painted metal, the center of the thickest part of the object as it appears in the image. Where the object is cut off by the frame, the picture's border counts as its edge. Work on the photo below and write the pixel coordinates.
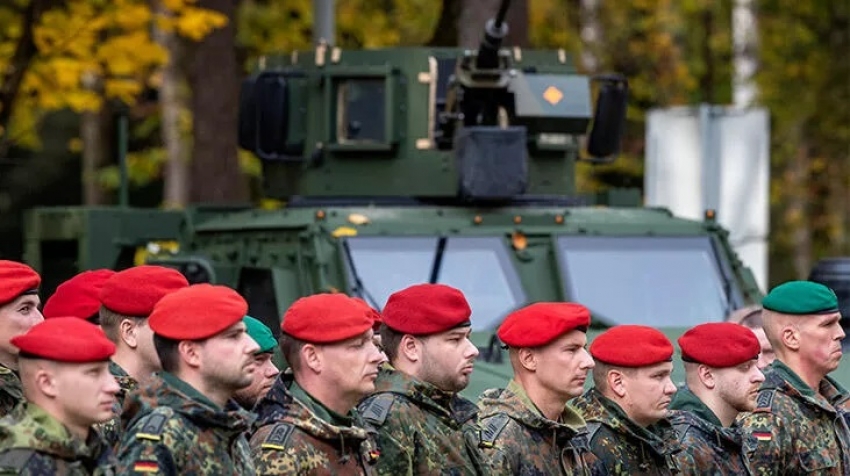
(379, 157)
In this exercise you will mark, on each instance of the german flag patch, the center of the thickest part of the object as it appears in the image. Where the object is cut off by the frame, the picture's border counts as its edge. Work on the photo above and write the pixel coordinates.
(146, 467)
(763, 435)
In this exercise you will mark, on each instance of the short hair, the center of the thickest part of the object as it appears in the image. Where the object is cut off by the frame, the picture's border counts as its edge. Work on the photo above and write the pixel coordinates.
(390, 341)
(753, 319)
(290, 348)
(600, 374)
(167, 351)
(110, 322)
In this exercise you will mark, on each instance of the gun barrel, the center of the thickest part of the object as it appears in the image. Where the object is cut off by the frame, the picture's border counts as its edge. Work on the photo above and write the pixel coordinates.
(495, 31)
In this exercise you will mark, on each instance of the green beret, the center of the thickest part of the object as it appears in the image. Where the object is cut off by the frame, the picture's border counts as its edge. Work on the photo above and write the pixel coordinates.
(801, 298)
(261, 334)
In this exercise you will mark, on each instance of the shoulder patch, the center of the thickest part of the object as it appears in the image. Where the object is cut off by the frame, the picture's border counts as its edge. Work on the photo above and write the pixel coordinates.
(15, 459)
(154, 425)
(764, 401)
(277, 437)
(492, 428)
(376, 411)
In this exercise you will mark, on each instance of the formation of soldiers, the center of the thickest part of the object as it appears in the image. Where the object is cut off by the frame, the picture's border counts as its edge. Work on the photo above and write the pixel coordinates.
(138, 372)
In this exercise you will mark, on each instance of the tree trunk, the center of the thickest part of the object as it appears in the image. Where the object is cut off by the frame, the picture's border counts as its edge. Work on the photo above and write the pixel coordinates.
(96, 134)
(745, 52)
(797, 213)
(172, 104)
(706, 80)
(474, 14)
(445, 33)
(214, 79)
(13, 75)
(590, 31)
(837, 207)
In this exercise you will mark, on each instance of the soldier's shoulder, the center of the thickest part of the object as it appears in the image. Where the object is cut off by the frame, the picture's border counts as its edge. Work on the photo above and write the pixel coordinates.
(375, 409)
(273, 437)
(153, 426)
(16, 460)
(493, 428)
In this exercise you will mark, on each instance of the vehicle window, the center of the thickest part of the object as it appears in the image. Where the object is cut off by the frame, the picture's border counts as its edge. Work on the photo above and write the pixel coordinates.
(478, 266)
(654, 281)
(360, 111)
(385, 265)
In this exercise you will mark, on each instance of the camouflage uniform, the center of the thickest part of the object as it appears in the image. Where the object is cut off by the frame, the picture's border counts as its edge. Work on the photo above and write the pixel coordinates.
(111, 429)
(34, 443)
(421, 430)
(11, 392)
(621, 445)
(172, 429)
(297, 435)
(708, 448)
(793, 430)
(518, 440)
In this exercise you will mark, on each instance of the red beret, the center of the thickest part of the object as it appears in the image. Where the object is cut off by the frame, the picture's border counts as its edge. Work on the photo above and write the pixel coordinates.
(376, 316)
(424, 309)
(65, 339)
(324, 318)
(197, 312)
(16, 279)
(78, 296)
(541, 323)
(719, 344)
(631, 346)
(134, 291)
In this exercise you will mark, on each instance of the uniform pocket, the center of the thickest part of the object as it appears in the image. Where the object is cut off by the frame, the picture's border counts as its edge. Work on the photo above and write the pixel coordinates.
(815, 461)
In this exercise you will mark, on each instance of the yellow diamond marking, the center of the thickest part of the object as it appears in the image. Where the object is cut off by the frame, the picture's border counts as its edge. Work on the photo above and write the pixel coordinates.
(553, 95)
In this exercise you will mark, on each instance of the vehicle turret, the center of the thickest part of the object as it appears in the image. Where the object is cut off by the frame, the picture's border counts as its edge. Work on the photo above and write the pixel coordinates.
(431, 123)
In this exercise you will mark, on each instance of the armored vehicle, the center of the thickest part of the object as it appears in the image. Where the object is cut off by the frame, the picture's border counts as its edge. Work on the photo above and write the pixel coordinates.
(406, 165)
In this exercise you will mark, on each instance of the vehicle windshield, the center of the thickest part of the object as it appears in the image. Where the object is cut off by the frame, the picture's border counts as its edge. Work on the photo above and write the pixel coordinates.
(478, 266)
(654, 281)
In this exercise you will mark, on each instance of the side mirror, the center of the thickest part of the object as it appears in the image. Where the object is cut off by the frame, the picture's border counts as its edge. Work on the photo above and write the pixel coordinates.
(609, 119)
(264, 114)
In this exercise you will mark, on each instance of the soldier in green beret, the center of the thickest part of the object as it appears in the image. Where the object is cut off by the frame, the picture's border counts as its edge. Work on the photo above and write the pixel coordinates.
(265, 370)
(799, 425)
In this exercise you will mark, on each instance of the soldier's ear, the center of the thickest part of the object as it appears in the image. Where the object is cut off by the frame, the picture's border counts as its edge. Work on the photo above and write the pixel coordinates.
(45, 380)
(706, 376)
(527, 359)
(616, 382)
(127, 332)
(189, 353)
(311, 358)
(790, 336)
(410, 347)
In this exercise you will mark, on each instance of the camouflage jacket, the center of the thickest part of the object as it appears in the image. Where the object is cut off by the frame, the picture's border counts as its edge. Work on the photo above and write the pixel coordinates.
(111, 429)
(708, 448)
(172, 429)
(795, 431)
(33, 443)
(11, 392)
(421, 430)
(296, 436)
(621, 446)
(518, 440)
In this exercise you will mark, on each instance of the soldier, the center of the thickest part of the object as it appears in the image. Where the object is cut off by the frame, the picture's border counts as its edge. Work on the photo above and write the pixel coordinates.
(68, 388)
(626, 410)
(184, 421)
(78, 296)
(127, 298)
(18, 313)
(422, 422)
(799, 423)
(723, 379)
(528, 428)
(266, 371)
(307, 424)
